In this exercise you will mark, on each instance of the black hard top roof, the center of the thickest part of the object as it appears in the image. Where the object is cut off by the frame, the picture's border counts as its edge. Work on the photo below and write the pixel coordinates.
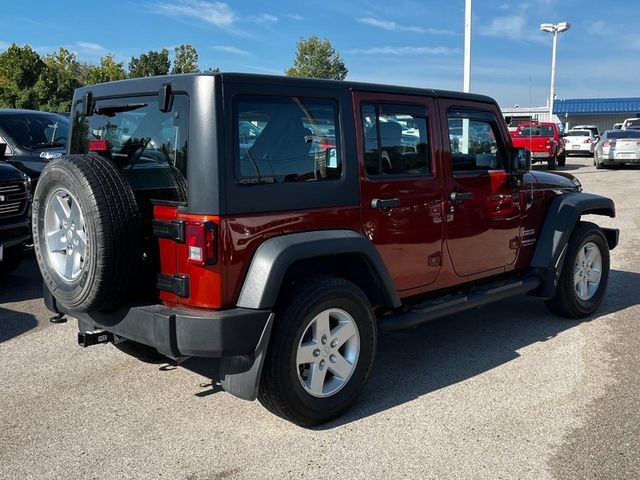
(150, 84)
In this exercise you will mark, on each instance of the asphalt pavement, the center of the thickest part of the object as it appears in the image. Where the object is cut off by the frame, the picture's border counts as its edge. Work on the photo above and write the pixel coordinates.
(502, 392)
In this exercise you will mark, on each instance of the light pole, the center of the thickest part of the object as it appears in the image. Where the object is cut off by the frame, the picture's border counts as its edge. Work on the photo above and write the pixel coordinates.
(554, 28)
(467, 46)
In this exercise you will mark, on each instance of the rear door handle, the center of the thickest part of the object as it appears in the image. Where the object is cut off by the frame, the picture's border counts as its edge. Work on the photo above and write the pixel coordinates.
(460, 196)
(385, 203)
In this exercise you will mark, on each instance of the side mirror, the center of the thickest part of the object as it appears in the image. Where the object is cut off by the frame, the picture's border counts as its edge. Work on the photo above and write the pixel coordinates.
(520, 160)
(3, 150)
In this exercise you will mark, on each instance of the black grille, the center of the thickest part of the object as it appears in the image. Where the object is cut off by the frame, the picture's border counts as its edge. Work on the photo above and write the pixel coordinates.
(13, 199)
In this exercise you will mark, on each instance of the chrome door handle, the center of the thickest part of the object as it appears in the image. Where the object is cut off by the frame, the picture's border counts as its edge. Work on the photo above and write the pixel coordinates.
(460, 196)
(385, 203)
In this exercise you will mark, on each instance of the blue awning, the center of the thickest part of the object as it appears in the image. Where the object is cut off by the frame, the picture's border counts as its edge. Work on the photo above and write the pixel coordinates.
(595, 106)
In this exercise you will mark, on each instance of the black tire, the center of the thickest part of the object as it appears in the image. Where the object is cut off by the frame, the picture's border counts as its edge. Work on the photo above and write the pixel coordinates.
(551, 163)
(281, 390)
(12, 258)
(112, 229)
(562, 160)
(566, 301)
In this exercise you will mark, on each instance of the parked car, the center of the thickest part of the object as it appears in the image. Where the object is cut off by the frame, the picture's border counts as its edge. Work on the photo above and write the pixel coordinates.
(543, 140)
(284, 260)
(631, 123)
(581, 142)
(592, 128)
(33, 139)
(15, 212)
(618, 147)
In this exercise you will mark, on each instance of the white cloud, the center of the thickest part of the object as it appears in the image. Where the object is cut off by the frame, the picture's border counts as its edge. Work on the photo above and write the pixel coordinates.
(294, 16)
(263, 18)
(230, 49)
(90, 47)
(511, 26)
(395, 27)
(403, 51)
(215, 13)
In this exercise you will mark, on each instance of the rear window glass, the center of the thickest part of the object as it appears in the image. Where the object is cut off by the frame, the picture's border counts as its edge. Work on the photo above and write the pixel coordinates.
(285, 139)
(149, 146)
(578, 133)
(623, 134)
(536, 131)
(35, 131)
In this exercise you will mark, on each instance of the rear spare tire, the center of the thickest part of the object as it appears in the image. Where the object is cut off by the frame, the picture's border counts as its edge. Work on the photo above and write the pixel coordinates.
(86, 232)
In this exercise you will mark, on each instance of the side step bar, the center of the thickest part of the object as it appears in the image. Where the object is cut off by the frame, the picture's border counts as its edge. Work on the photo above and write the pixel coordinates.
(436, 309)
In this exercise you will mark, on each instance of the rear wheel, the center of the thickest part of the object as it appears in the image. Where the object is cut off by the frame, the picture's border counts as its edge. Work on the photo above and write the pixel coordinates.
(585, 273)
(321, 352)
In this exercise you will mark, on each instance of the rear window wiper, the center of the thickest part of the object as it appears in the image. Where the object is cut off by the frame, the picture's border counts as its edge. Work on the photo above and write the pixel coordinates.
(49, 144)
(111, 110)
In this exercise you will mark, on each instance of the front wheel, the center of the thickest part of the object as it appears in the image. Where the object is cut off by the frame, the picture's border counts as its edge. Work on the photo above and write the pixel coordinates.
(585, 273)
(321, 351)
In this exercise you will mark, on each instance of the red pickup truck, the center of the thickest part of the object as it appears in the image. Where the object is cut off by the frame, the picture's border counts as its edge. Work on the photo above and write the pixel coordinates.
(544, 141)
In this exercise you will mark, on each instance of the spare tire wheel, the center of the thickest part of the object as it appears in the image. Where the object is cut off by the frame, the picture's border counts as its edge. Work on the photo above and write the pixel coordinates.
(86, 232)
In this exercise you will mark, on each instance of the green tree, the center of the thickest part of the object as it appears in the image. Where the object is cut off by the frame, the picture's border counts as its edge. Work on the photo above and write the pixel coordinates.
(150, 64)
(186, 60)
(20, 68)
(317, 58)
(63, 73)
(108, 71)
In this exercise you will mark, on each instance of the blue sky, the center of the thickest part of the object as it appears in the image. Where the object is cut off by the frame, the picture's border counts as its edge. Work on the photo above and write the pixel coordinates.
(405, 42)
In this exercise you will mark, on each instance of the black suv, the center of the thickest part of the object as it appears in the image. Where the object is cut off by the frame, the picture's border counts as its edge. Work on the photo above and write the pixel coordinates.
(15, 212)
(32, 139)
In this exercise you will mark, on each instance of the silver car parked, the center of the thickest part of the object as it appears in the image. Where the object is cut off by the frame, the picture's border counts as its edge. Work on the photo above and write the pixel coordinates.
(618, 147)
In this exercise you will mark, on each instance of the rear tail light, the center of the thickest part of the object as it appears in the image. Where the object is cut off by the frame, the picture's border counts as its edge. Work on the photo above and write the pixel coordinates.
(202, 242)
(98, 145)
(609, 143)
(588, 140)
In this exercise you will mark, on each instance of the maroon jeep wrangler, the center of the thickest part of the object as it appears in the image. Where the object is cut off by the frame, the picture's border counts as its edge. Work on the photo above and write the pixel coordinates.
(279, 224)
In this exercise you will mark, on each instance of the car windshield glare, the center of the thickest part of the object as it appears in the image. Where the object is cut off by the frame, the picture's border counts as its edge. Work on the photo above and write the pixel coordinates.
(624, 134)
(36, 130)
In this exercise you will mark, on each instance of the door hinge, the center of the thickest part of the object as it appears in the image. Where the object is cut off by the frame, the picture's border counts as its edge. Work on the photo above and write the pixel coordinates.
(176, 284)
(172, 229)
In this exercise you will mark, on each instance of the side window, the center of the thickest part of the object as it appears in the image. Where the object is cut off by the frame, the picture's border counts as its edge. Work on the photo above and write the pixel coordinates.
(473, 138)
(285, 139)
(9, 150)
(395, 139)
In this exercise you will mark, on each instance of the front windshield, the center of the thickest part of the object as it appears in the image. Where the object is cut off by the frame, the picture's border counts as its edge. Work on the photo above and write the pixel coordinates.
(33, 130)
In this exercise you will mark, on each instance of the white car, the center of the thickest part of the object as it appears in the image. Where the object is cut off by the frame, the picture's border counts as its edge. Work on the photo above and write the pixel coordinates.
(631, 123)
(579, 142)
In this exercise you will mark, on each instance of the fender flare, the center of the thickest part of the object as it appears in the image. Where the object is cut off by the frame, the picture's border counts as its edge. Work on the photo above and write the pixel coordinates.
(274, 256)
(563, 214)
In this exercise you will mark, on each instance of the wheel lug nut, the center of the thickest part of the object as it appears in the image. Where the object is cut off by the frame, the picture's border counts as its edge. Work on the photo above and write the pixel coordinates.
(316, 352)
(334, 343)
(322, 363)
(324, 340)
(332, 358)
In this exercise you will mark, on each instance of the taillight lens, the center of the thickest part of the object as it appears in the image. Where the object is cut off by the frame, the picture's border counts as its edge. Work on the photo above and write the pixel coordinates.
(587, 140)
(609, 143)
(98, 145)
(202, 242)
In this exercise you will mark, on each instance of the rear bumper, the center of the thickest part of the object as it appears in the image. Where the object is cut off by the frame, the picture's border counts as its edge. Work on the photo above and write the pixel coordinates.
(179, 332)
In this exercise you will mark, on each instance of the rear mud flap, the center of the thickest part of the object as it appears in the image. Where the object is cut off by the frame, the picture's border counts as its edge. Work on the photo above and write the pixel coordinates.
(240, 375)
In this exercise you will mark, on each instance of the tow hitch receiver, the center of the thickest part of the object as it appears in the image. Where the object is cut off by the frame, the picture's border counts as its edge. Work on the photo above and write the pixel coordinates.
(86, 339)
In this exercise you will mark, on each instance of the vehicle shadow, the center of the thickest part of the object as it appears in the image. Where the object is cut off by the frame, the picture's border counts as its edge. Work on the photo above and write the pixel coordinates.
(23, 284)
(416, 362)
(14, 323)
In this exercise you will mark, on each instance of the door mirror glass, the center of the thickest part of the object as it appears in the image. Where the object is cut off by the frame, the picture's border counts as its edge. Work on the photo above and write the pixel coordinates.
(520, 160)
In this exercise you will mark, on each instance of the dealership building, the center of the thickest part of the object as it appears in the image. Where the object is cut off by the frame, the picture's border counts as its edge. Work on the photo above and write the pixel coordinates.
(601, 112)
